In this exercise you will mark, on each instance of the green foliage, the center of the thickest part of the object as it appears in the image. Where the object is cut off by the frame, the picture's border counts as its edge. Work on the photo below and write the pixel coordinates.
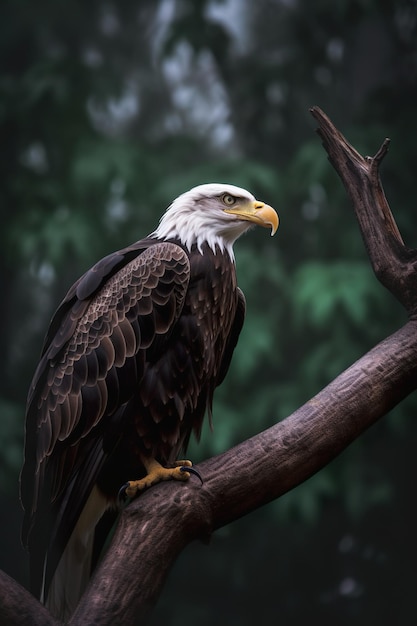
(110, 110)
(325, 292)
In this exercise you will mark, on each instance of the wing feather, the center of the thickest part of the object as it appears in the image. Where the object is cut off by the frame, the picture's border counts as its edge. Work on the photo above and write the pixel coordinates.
(80, 374)
(130, 338)
(66, 419)
(92, 367)
(143, 338)
(92, 360)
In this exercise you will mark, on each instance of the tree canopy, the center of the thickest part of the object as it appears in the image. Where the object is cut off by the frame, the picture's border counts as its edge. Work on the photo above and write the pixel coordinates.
(110, 110)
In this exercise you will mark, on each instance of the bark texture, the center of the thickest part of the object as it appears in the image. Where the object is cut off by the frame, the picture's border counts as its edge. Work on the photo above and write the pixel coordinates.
(154, 528)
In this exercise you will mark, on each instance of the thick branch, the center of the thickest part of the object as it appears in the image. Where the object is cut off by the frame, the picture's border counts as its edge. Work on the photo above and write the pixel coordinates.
(19, 608)
(156, 527)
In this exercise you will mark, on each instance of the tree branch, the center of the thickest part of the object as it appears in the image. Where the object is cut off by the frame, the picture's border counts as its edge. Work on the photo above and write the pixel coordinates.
(393, 263)
(155, 527)
(19, 608)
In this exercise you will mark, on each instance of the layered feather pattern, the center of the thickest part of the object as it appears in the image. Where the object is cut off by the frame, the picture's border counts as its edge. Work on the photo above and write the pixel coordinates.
(140, 343)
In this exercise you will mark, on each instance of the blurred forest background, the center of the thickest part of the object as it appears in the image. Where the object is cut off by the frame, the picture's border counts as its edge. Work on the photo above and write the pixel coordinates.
(108, 111)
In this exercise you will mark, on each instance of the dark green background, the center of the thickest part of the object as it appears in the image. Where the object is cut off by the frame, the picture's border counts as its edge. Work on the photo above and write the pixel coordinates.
(110, 110)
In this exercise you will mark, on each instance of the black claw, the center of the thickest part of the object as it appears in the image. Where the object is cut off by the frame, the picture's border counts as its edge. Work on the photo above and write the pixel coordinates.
(184, 468)
(121, 494)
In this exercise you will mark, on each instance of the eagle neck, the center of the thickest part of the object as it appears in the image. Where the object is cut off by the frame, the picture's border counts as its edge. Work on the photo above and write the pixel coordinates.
(216, 244)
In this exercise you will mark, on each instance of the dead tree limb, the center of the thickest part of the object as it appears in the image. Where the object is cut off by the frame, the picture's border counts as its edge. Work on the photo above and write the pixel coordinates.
(394, 264)
(156, 527)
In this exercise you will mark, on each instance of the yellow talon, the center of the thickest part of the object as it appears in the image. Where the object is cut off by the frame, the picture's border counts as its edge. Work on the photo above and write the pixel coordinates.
(156, 473)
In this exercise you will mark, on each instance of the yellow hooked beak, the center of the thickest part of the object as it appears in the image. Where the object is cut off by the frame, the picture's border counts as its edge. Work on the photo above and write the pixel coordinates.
(257, 212)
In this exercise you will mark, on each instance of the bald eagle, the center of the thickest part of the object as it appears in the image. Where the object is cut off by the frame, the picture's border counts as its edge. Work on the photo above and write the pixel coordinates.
(128, 370)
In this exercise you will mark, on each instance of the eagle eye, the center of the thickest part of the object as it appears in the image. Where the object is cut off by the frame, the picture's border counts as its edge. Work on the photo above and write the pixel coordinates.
(228, 199)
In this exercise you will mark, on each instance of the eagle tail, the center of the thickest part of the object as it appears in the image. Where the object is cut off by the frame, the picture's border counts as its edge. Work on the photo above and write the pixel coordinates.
(74, 568)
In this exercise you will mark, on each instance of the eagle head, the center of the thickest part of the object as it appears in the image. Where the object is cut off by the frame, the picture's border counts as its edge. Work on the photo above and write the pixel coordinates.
(216, 214)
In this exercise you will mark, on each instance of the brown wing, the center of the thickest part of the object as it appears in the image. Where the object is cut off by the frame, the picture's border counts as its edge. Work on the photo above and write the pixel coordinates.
(92, 362)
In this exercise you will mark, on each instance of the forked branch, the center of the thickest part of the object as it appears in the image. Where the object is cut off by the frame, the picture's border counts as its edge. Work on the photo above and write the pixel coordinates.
(393, 263)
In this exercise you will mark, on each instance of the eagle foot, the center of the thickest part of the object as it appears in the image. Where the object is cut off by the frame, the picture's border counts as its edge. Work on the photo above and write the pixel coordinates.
(182, 470)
